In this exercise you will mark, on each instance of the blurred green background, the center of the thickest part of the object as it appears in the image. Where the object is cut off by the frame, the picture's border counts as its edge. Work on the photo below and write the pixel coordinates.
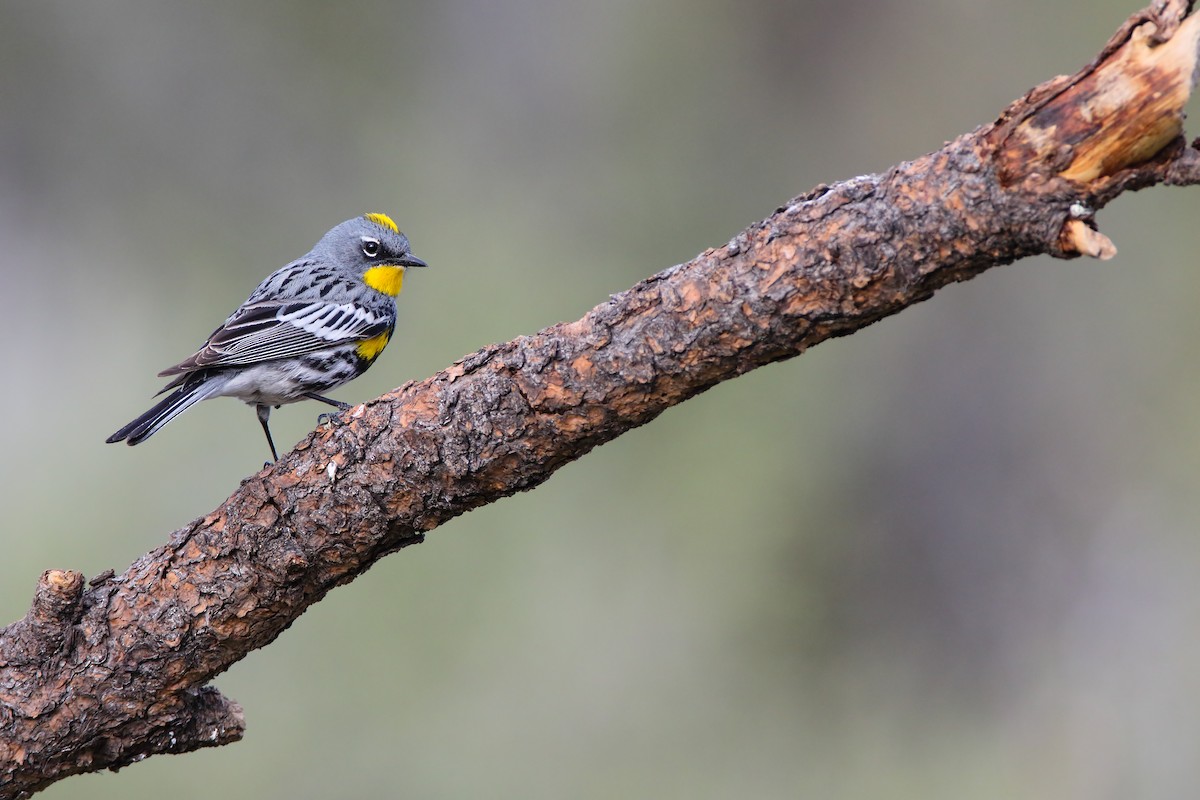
(954, 555)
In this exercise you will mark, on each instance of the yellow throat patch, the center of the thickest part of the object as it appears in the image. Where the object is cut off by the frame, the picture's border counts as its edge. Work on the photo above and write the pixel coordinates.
(386, 279)
(382, 220)
(370, 349)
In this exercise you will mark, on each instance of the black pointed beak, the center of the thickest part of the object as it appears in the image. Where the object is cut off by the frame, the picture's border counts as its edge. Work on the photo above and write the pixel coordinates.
(410, 260)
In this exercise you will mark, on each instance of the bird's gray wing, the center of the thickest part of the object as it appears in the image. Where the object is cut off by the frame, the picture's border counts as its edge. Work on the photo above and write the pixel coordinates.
(272, 330)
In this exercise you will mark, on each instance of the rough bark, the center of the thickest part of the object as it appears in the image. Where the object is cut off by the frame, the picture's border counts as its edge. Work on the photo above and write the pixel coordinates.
(103, 675)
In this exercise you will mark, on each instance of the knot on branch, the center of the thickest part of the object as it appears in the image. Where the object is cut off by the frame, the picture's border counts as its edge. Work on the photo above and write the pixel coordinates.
(49, 625)
(56, 599)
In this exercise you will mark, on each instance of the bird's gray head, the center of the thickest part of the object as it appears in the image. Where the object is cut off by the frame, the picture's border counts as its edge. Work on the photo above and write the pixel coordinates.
(372, 247)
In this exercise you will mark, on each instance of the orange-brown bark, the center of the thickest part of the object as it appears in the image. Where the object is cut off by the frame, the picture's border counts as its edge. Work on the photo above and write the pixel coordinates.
(103, 675)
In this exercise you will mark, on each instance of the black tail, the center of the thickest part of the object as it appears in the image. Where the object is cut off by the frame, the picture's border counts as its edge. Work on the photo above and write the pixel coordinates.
(166, 410)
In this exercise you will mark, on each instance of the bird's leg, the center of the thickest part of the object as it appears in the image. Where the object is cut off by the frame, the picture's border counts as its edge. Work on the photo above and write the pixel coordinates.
(264, 412)
(324, 418)
(327, 400)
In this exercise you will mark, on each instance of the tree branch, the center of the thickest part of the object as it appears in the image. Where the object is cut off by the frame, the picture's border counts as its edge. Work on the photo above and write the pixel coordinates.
(101, 676)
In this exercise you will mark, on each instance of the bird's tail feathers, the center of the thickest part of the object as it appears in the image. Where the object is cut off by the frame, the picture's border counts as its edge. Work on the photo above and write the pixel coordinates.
(171, 406)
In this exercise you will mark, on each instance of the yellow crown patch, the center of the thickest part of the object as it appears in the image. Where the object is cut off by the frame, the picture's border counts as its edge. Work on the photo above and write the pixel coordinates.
(383, 220)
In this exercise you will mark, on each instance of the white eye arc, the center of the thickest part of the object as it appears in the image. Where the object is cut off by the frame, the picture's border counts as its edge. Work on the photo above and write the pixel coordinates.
(370, 247)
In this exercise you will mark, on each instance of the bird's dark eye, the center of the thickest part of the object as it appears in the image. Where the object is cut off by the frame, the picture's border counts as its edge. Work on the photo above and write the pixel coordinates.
(370, 247)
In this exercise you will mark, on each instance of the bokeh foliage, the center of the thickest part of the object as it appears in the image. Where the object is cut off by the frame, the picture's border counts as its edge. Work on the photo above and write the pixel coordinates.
(952, 555)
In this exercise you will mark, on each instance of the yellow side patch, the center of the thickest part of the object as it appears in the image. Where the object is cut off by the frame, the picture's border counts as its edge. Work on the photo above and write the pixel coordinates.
(383, 220)
(386, 279)
(369, 349)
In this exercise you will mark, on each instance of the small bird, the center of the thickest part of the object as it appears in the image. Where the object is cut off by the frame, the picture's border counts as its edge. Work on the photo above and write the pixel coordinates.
(311, 326)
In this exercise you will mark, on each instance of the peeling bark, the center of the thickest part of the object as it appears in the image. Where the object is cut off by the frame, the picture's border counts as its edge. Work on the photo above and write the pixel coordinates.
(101, 676)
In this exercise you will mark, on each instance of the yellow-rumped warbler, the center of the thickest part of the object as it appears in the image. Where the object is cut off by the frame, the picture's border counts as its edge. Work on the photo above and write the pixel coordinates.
(310, 326)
